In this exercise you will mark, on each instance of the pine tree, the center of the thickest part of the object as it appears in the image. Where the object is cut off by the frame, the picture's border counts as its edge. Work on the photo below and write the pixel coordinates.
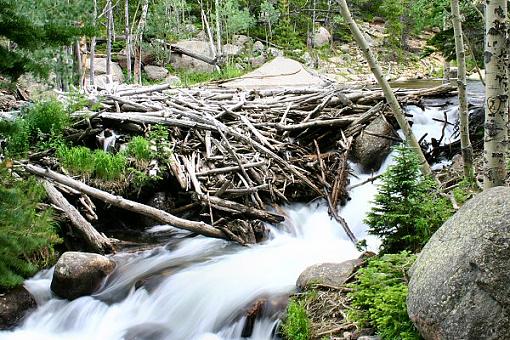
(407, 208)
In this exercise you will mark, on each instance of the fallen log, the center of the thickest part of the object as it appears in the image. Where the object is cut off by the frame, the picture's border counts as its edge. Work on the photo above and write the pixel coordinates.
(94, 239)
(201, 228)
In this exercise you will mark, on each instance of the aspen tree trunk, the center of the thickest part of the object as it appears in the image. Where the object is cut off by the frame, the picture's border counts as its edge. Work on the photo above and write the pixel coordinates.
(93, 46)
(109, 41)
(127, 32)
(218, 29)
(138, 43)
(496, 92)
(388, 93)
(465, 143)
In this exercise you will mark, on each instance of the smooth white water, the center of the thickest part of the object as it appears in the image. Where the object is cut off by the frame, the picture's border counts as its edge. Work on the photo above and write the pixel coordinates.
(199, 287)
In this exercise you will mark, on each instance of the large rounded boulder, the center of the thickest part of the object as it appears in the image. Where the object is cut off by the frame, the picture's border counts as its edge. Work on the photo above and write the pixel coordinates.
(459, 287)
(78, 274)
(329, 274)
(13, 306)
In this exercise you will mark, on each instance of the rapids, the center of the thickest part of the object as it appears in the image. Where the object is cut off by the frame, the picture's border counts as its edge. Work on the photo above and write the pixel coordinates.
(197, 288)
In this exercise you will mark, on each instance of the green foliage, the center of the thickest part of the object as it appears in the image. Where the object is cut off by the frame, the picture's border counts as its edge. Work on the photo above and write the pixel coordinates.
(139, 148)
(168, 20)
(47, 117)
(234, 18)
(296, 325)
(17, 134)
(407, 209)
(379, 297)
(189, 78)
(98, 163)
(27, 235)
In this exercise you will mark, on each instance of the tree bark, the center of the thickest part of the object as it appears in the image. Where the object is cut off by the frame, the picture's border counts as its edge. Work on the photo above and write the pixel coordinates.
(109, 41)
(388, 92)
(94, 239)
(496, 93)
(466, 148)
(138, 43)
(93, 46)
(201, 228)
(127, 32)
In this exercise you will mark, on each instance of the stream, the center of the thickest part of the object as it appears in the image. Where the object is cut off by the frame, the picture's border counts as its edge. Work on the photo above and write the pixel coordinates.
(200, 288)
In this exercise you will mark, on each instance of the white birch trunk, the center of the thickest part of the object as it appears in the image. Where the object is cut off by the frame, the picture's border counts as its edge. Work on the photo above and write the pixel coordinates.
(93, 47)
(385, 86)
(127, 32)
(466, 148)
(496, 93)
(138, 43)
(109, 41)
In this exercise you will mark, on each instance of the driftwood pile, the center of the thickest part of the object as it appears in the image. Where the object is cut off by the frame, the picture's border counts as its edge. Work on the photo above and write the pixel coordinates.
(238, 152)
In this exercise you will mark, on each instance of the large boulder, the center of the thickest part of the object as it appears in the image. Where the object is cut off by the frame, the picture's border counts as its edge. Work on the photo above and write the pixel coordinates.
(321, 37)
(184, 62)
(231, 50)
(78, 274)
(241, 40)
(371, 147)
(459, 287)
(13, 306)
(155, 72)
(100, 72)
(330, 274)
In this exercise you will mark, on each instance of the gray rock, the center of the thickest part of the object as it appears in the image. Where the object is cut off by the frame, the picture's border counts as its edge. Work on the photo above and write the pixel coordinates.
(345, 49)
(100, 70)
(370, 150)
(78, 274)
(275, 52)
(307, 58)
(155, 72)
(332, 274)
(459, 287)
(241, 40)
(321, 37)
(231, 50)
(13, 306)
(369, 337)
(258, 47)
(256, 62)
(202, 36)
(184, 62)
(172, 80)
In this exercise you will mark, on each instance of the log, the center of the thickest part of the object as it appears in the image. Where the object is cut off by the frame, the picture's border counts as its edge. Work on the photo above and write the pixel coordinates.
(222, 204)
(201, 228)
(94, 239)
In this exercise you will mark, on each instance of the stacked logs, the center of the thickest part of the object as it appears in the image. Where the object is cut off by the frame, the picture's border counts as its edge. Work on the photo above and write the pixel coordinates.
(240, 151)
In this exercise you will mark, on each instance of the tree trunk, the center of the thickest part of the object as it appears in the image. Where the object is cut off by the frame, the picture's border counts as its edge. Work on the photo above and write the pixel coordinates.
(93, 46)
(94, 239)
(388, 92)
(127, 32)
(496, 93)
(467, 149)
(138, 43)
(218, 29)
(109, 41)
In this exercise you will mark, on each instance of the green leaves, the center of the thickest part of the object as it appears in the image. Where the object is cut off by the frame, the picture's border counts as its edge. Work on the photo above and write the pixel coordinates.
(379, 297)
(297, 324)
(407, 209)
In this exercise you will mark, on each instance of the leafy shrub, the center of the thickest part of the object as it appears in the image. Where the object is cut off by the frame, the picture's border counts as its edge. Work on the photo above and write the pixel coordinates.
(379, 297)
(408, 209)
(27, 235)
(47, 116)
(296, 325)
(139, 148)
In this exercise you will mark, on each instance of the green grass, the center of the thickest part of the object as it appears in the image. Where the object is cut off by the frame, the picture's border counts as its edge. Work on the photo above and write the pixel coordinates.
(296, 325)
(47, 117)
(139, 148)
(189, 78)
(100, 164)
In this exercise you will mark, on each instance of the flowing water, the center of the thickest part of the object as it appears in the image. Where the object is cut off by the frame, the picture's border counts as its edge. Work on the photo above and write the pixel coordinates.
(198, 288)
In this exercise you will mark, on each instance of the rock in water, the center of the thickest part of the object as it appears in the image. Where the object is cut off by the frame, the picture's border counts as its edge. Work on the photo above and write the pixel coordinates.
(13, 306)
(373, 145)
(459, 286)
(77, 274)
(331, 274)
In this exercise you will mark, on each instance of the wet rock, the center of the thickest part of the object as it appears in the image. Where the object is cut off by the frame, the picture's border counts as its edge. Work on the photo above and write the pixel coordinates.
(459, 283)
(159, 200)
(13, 306)
(147, 331)
(331, 274)
(371, 147)
(78, 274)
(321, 37)
(270, 307)
(155, 72)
